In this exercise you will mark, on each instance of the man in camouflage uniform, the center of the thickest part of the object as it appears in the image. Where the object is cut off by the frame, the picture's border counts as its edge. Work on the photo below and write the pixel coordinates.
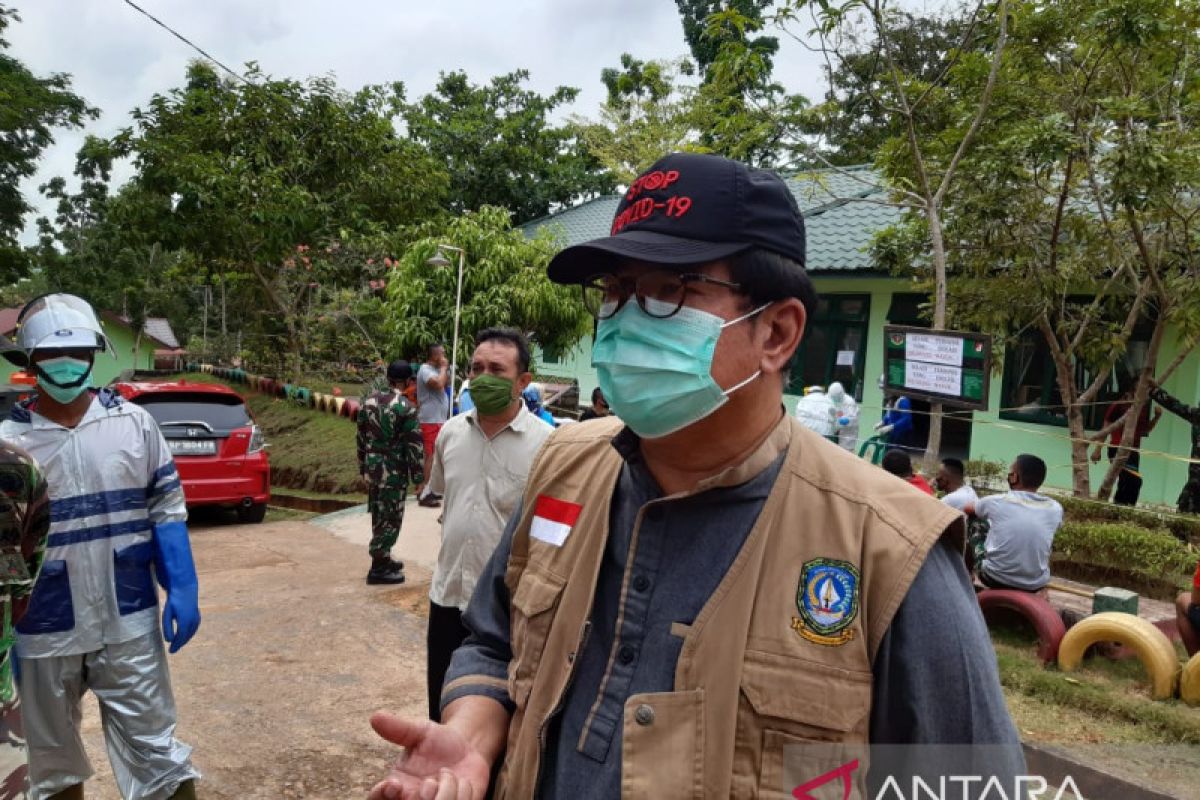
(390, 458)
(24, 525)
(1189, 497)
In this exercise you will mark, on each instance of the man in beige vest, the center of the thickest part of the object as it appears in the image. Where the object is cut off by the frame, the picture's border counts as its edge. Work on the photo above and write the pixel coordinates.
(702, 598)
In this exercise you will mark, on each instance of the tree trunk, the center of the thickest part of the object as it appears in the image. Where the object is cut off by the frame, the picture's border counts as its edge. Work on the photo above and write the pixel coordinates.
(933, 446)
(1133, 415)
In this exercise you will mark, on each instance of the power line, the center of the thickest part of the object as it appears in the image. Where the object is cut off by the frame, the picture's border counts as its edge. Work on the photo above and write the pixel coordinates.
(184, 39)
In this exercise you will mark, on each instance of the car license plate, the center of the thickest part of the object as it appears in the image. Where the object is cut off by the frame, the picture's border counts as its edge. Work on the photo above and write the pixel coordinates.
(192, 447)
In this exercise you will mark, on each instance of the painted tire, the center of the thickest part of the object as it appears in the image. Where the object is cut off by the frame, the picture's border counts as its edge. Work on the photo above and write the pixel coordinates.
(351, 409)
(339, 403)
(319, 401)
(1189, 682)
(1153, 649)
(1046, 622)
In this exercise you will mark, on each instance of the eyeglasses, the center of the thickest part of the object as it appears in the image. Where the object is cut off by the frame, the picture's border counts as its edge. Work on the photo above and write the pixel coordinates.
(604, 295)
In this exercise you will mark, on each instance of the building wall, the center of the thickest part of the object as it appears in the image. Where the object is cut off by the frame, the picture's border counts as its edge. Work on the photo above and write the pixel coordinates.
(1162, 466)
(108, 368)
(992, 438)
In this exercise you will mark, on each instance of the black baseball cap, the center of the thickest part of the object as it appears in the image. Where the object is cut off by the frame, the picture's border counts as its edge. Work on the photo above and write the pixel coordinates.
(689, 209)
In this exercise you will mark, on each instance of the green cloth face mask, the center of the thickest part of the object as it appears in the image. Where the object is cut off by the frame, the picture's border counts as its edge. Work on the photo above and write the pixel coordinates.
(491, 394)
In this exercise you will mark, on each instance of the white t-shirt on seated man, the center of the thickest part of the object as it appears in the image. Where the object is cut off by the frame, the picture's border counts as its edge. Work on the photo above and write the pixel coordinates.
(1022, 524)
(951, 479)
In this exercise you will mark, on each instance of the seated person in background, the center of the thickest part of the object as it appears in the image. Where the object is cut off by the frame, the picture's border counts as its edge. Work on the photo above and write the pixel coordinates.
(899, 464)
(1187, 615)
(951, 479)
(1016, 551)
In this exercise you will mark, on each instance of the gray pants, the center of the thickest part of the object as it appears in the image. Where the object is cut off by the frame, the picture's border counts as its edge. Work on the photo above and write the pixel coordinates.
(137, 711)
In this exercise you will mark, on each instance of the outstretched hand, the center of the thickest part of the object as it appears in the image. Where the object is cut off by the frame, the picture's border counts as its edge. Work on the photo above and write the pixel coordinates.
(437, 764)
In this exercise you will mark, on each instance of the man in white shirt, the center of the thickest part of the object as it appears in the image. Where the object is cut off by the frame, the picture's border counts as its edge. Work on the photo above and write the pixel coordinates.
(951, 479)
(1022, 524)
(480, 464)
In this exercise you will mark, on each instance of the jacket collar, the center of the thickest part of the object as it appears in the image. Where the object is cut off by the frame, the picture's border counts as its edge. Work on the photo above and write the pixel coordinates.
(628, 444)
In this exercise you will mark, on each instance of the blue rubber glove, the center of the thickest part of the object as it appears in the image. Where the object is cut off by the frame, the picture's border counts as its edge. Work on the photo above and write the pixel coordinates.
(177, 574)
(843, 421)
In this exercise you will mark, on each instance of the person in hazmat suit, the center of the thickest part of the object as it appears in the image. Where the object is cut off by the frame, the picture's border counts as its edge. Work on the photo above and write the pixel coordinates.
(118, 522)
(845, 416)
(815, 411)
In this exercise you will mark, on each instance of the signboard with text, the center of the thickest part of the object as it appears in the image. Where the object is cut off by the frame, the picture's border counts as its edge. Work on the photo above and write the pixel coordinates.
(948, 367)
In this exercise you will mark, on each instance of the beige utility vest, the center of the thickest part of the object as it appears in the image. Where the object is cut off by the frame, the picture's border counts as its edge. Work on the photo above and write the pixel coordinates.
(779, 655)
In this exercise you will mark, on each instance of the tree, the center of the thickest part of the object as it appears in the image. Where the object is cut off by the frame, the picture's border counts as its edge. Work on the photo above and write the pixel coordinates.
(648, 113)
(1076, 214)
(853, 123)
(504, 283)
(937, 121)
(247, 172)
(706, 48)
(31, 109)
(500, 148)
(741, 111)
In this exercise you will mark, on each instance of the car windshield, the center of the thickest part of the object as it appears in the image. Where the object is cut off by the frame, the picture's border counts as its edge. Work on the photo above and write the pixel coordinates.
(221, 412)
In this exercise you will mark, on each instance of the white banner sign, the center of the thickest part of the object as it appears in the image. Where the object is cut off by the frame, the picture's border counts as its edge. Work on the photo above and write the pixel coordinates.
(933, 377)
(933, 349)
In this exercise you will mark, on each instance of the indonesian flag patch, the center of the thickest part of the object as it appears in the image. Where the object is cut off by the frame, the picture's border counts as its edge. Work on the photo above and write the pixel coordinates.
(553, 519)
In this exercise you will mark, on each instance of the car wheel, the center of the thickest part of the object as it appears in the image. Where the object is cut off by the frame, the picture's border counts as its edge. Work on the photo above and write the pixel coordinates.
(252, 514)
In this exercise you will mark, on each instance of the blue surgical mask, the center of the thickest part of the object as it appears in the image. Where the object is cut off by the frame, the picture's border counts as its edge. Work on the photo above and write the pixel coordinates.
(656, 373)
(65, 378)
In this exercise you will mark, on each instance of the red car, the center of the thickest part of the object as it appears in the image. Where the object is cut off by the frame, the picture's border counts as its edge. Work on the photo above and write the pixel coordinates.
(219, 451)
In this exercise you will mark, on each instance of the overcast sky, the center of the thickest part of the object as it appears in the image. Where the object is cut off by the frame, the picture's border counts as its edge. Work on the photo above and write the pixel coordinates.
(119, 58)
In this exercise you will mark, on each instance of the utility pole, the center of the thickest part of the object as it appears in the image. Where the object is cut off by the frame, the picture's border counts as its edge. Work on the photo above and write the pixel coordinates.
(207, 295)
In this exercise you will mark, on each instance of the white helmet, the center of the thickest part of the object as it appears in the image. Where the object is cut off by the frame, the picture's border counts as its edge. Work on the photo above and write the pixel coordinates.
(56, 322)
(836, 392)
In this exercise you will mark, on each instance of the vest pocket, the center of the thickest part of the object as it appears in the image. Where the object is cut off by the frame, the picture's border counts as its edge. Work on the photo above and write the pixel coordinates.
(662, 746)
(793, 767)
(50, 608)
(533, 605)
(801, 721)
(133, 579)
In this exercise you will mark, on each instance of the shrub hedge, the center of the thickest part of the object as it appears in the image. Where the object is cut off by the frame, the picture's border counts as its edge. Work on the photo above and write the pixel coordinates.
(1150, 557)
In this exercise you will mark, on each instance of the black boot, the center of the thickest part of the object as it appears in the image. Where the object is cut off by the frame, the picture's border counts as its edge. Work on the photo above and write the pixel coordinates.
(384, 570)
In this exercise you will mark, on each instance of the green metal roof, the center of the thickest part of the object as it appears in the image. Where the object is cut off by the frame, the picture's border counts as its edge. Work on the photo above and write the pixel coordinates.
(838, 223)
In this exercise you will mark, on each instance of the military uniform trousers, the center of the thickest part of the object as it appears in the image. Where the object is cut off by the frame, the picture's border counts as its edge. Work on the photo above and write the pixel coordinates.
(386, 504)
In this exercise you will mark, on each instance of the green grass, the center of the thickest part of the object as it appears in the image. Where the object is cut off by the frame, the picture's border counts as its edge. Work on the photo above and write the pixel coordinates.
(1104, 702)
(360, 497)
(277, 514)
(309, 450)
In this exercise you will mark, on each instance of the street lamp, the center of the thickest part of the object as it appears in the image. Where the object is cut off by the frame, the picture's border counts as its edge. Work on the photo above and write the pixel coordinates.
(439, 260)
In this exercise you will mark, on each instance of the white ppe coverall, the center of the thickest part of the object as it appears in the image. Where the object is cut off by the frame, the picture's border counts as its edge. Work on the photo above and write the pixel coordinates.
(815, 412)
(118, 520)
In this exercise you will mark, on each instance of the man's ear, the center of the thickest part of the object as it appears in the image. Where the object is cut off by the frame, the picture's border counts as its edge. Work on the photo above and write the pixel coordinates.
(523, 381)
(782, 329)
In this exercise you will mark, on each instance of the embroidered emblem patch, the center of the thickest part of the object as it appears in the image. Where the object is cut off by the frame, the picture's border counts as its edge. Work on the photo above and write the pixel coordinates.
(827, 600)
